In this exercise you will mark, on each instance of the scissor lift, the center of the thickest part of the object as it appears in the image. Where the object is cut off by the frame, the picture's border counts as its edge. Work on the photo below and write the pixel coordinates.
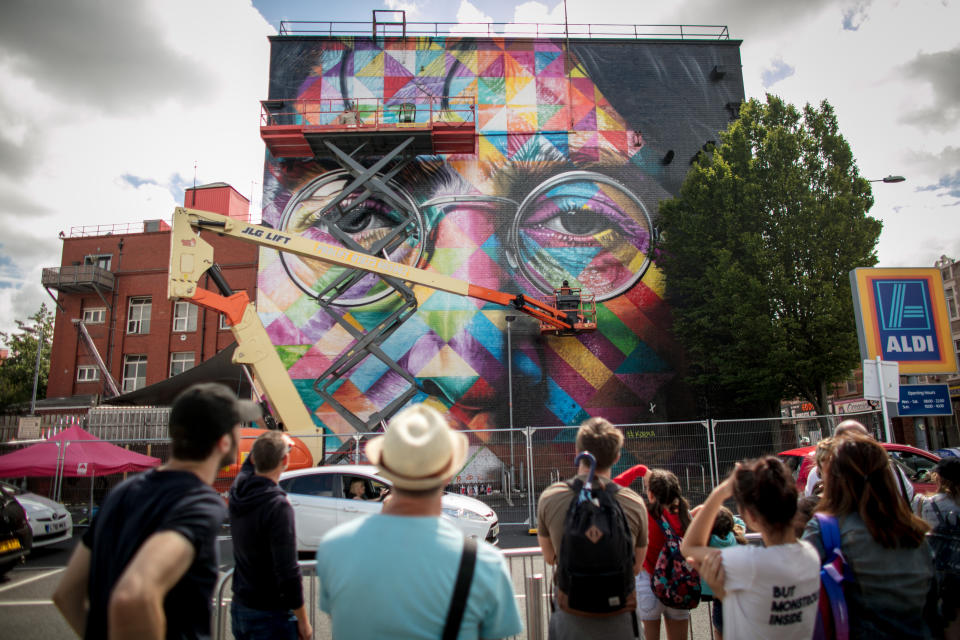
(394, 132)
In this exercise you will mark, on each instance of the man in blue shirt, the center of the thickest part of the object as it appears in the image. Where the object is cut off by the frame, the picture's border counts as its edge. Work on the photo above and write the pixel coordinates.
(392, 575)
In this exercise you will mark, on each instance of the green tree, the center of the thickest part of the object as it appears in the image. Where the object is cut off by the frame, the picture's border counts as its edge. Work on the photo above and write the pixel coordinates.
(756, 253)
(16, 371)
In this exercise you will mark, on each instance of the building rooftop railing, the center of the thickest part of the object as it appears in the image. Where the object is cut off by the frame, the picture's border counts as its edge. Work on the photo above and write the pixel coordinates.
(506, 29)
(120, 228)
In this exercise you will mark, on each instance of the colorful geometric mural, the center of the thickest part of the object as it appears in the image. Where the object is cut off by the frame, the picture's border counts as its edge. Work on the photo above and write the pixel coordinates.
(565, 185)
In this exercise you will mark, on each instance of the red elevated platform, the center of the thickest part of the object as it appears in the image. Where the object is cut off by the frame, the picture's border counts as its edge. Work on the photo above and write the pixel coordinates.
(298, 128)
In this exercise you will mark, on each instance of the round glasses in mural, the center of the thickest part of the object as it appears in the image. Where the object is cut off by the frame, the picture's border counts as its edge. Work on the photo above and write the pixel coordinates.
(585, 228)
(362, 222)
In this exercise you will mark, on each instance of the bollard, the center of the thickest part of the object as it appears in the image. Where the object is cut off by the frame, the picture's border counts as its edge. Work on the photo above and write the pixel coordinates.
(534, 593)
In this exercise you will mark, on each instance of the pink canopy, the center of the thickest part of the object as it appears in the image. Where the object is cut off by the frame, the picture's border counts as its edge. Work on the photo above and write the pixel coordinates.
(77, 453)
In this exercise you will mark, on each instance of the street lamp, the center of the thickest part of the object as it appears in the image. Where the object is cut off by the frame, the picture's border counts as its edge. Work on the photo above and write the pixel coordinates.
(38, 331)
(889, 179)
(510, 320)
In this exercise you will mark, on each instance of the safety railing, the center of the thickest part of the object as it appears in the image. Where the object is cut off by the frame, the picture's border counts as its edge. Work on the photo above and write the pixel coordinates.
(530, 575)
(507, 29)
(368, 113)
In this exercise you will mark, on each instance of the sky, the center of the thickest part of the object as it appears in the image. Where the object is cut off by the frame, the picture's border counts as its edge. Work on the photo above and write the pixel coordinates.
(108, 110)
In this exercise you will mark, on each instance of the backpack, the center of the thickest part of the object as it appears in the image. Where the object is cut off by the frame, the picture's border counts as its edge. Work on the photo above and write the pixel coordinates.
(675, 583)
(944, 541)
(595, 564)
(833, 619)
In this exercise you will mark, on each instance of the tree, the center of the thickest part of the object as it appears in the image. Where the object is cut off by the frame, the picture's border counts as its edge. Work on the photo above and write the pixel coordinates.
(756, 253)
(16, 371)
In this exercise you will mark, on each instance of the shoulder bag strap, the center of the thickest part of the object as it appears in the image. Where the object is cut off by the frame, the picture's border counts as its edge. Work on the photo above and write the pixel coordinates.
(933, 503)
(832, 576)
(899, 474)
(461, 589)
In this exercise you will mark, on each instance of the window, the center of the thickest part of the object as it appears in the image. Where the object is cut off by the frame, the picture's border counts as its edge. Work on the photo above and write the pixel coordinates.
(138, 315)
(87, 373)
(184, 316)
(851, 382)
(951, 302)
(99, 261)
(317, 484)
(224, 324)
(180, 362)
(134, 372)
(94, 316)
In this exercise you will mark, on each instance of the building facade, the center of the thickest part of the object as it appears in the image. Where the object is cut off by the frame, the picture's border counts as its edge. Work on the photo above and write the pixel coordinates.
(112, 306)
(568, 147)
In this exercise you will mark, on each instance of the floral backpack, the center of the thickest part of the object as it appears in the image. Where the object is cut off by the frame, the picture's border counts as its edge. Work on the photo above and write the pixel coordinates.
(674, 582)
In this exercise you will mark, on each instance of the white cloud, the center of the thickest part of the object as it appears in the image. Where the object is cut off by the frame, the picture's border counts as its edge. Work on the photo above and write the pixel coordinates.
(93, 93)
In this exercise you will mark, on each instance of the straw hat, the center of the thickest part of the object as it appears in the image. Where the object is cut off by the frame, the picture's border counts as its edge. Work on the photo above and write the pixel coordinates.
(418, 450)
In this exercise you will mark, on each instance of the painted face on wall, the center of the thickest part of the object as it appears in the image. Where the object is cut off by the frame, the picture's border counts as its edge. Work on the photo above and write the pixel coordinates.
(555, 192)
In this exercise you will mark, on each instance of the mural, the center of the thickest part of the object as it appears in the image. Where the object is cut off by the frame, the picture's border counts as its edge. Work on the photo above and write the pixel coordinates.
(576, 147)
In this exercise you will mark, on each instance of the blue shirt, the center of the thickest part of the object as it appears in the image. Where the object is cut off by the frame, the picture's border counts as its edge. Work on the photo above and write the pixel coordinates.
(392, 577)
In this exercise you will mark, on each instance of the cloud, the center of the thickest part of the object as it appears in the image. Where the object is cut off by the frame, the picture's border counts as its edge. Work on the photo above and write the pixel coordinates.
(777, 71)
(136, 181)
(99, 54)
(948, 185)
(855, 16)
(940, 71)
(105, 109)
(948, 158)
(410, 6)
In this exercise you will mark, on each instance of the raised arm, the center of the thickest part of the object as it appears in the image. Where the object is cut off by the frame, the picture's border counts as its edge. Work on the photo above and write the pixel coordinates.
(135, 610)
(695, 541)
(70, 597)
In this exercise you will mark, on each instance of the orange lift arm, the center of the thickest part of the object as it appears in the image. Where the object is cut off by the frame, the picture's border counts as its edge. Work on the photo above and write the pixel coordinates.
(193, 255)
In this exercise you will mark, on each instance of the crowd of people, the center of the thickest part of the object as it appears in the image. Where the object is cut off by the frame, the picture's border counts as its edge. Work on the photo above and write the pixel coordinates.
(858, 557)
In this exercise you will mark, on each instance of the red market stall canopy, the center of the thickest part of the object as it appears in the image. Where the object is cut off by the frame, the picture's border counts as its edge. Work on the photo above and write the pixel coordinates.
(73, 453)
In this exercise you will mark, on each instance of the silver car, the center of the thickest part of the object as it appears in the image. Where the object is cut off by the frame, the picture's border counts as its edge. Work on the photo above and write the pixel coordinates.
(321, 499)
(49, 521)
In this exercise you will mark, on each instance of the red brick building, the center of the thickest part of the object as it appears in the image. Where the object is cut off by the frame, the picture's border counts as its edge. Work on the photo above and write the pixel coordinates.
(112, 283)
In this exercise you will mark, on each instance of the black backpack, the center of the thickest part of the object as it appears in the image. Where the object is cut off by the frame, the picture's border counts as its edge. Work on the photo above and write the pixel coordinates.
(595, 565)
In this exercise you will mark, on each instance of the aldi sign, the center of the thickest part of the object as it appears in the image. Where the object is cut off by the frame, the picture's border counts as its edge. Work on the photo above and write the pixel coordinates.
(902, 316)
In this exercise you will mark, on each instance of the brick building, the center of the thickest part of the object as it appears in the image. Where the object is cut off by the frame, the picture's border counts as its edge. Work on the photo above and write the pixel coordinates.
(112, 286)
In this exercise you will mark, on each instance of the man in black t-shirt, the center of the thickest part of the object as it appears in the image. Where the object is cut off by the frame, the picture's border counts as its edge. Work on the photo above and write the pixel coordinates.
(148, 563)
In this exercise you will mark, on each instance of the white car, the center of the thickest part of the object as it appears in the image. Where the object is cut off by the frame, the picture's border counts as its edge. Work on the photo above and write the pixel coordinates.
(320, 502)
(49, 521)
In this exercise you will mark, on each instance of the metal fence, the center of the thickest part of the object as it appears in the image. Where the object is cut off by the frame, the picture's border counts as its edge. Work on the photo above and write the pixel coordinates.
(507, 468)
(531, 579)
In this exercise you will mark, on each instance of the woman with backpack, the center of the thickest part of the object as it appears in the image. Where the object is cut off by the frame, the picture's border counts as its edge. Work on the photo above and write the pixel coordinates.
(942, 512)
(667, 507)
(884, 544)
(770, 591)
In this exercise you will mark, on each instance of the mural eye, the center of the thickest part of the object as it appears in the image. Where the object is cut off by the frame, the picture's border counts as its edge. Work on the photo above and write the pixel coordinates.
(585, 228)
(365, 217)
(373, 224)
(579, 222)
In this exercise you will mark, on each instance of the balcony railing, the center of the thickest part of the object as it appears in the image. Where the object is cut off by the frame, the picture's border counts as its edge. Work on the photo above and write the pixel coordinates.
(77, 278)
(369, 113)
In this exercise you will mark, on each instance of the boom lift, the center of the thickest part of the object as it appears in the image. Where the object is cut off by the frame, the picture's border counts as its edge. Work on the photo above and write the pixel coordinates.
(191, 257)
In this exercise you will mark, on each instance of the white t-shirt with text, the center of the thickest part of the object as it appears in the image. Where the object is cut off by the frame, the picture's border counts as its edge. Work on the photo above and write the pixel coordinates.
(772, 592)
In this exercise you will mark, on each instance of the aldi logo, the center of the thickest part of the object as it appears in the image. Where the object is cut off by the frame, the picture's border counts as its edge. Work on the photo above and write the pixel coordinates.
(905, 314)
(902, 316)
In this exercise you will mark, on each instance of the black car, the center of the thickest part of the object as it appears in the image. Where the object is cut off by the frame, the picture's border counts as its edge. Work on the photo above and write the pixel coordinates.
(16, 539)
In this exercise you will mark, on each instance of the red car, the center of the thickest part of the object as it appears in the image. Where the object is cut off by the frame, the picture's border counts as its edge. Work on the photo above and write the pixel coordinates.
(916, 463)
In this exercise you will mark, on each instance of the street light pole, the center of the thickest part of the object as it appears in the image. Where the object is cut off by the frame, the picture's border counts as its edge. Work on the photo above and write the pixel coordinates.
(36, 371)
(510, 320)
(889, 179)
